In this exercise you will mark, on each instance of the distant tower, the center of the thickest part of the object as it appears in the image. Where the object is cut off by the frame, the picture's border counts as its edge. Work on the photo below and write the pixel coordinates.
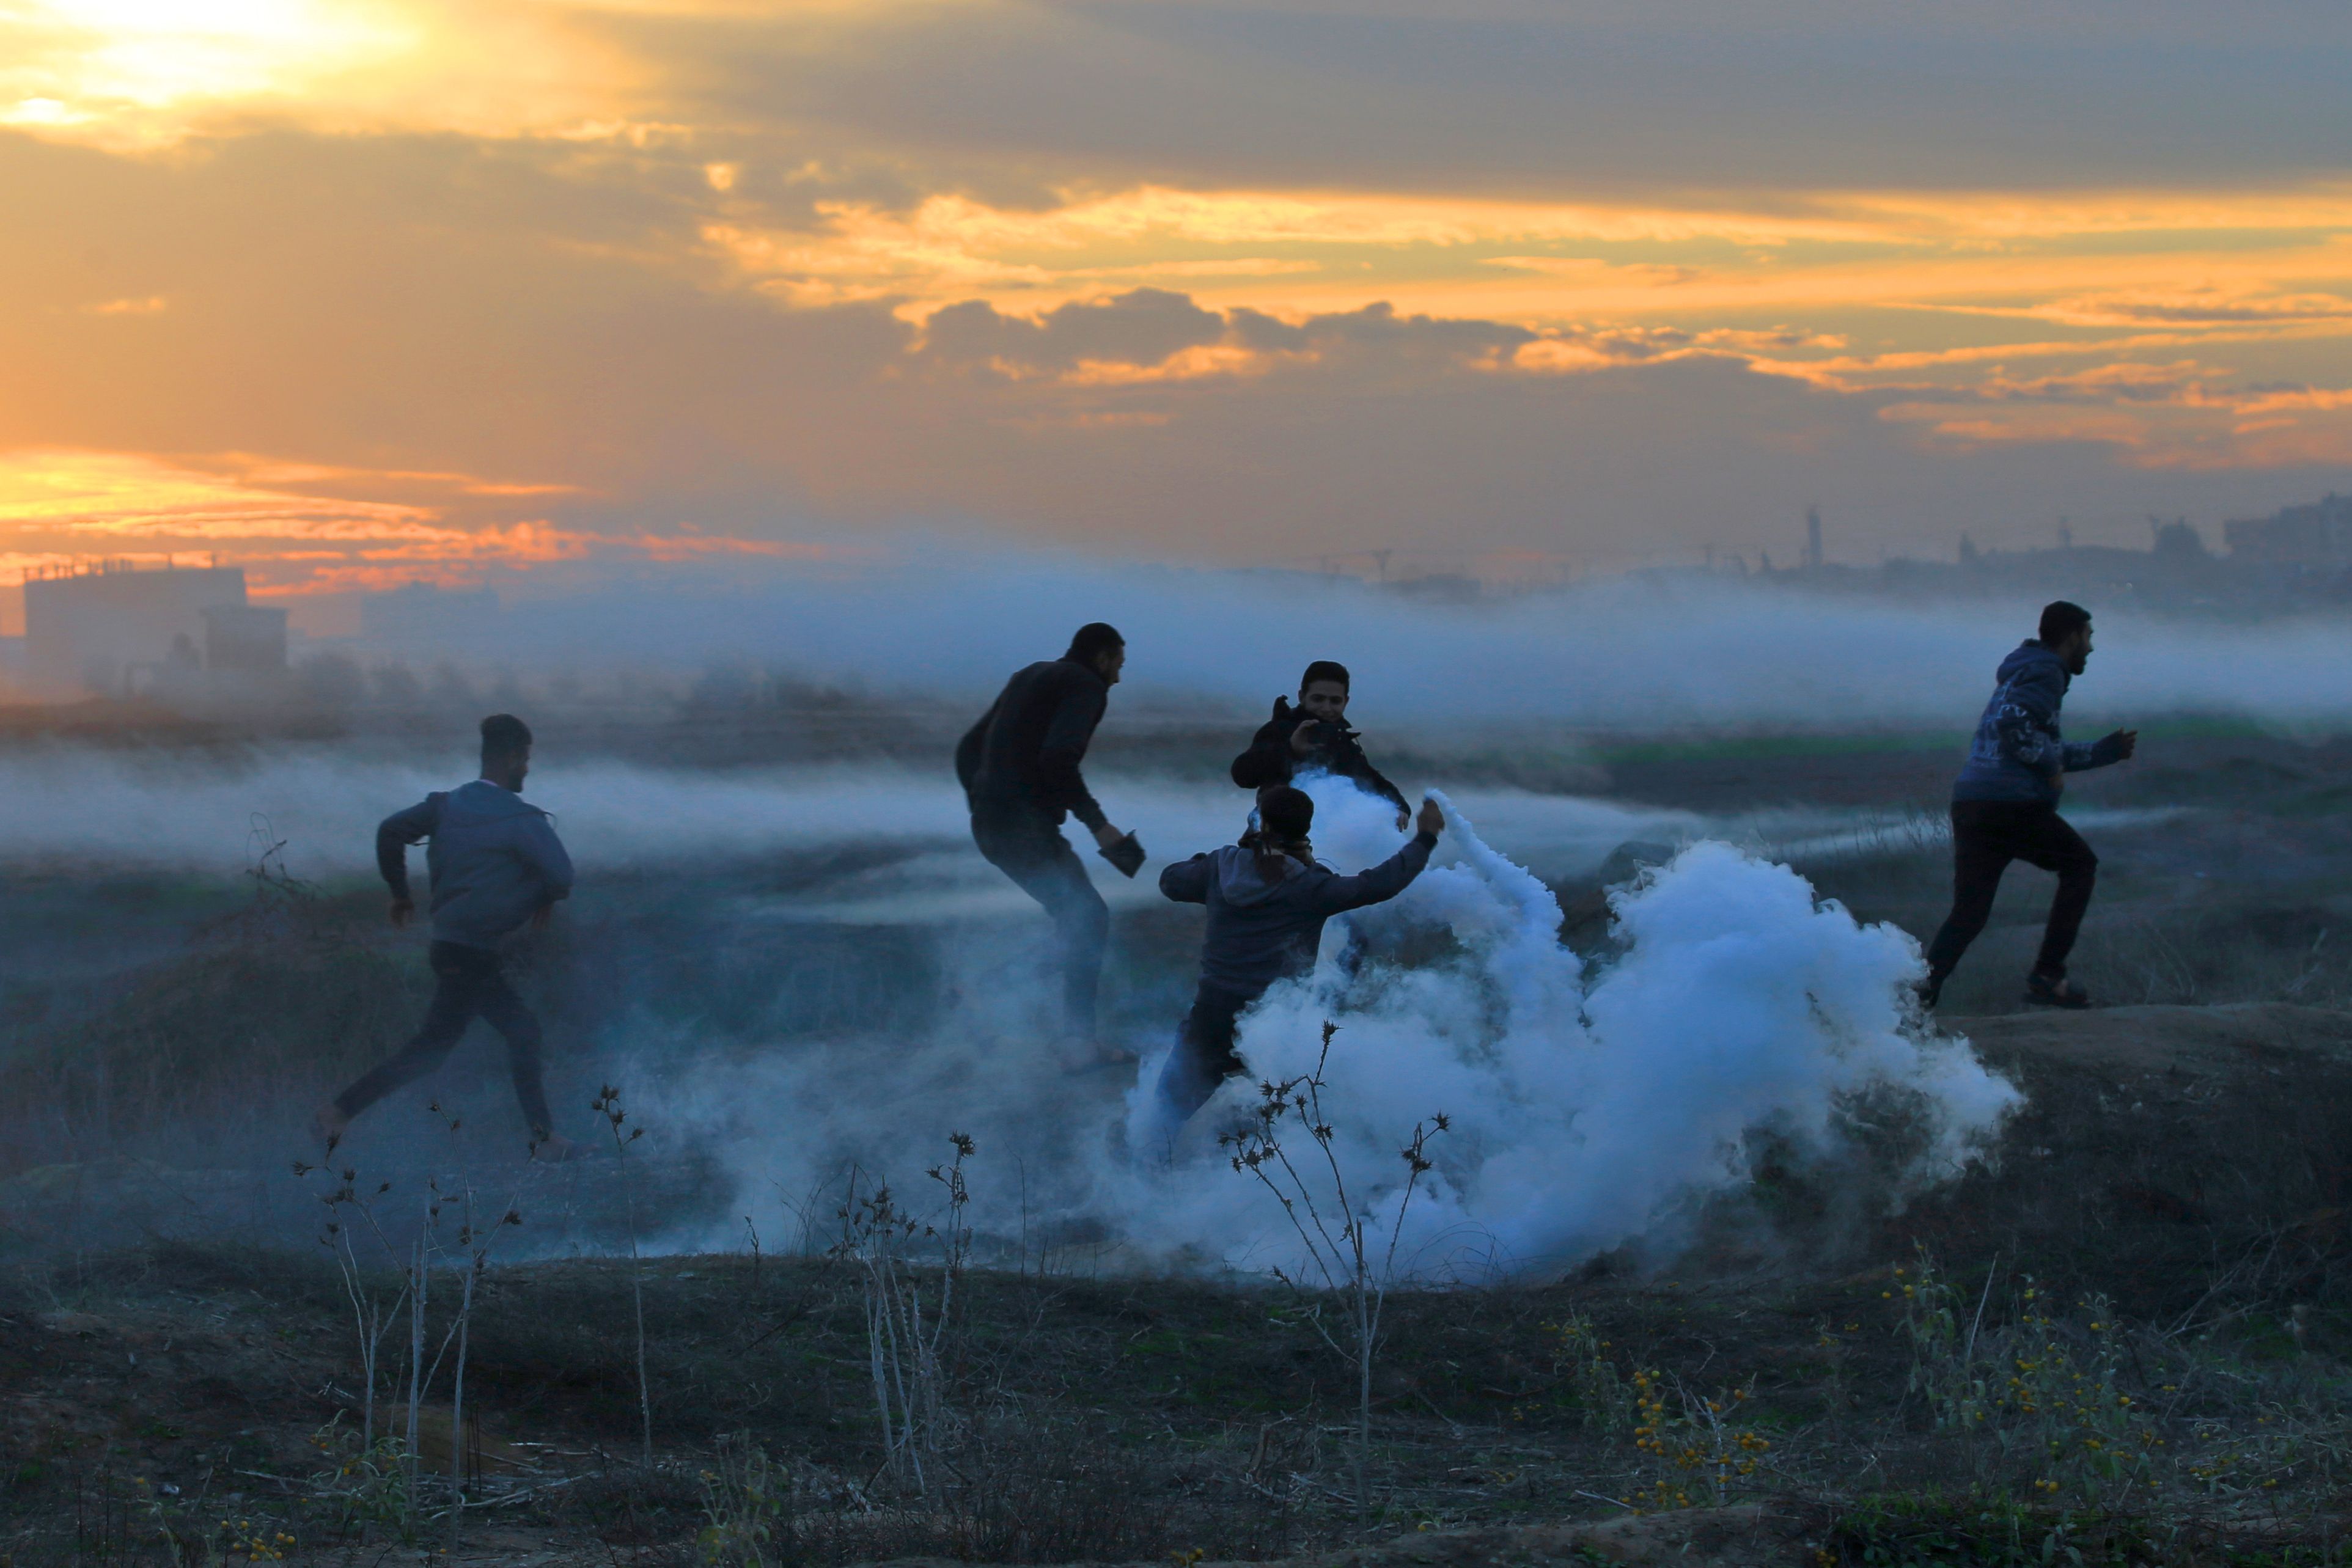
(1814, 539)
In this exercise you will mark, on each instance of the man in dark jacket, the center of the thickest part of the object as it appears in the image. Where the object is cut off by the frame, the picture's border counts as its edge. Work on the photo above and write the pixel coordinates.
(495, 864)
(1314, 736)
(2005, 806)
(1268, 903)
(1019, 766)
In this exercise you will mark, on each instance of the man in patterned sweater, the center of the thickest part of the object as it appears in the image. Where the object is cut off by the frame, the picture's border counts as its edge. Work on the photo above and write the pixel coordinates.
(2005, 806)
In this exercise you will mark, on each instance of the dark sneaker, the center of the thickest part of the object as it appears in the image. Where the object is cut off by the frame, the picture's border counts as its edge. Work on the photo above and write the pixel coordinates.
(2055, 991)
(1930, 993)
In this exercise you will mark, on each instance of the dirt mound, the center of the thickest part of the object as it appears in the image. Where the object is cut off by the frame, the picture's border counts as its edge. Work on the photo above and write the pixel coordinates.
(2160, 1146)
(2218, 1045)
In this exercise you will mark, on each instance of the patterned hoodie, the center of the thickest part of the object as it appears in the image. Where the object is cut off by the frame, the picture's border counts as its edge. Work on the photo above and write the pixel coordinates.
(2018, 752)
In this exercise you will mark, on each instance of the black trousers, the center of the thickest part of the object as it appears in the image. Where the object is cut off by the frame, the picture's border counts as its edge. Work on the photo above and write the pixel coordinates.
(472, 982)
(1985, 836)
(1204, 1055)
(1028, 847)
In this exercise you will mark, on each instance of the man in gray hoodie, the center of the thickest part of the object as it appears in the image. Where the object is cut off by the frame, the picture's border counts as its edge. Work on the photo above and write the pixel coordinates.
(2005, 806)
(495, 864)
(1268, 903)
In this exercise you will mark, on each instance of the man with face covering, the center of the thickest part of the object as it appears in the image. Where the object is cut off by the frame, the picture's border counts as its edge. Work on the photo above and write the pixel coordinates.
(1268, 901)
(1314, 736)
(2005, 806)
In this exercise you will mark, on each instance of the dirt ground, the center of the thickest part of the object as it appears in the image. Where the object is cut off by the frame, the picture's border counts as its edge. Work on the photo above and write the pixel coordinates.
(2170, 1207)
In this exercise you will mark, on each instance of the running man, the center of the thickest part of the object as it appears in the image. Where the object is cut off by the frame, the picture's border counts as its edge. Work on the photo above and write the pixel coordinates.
(495, 865)
(2005, 806)
(1019, 767)
(1267, 902)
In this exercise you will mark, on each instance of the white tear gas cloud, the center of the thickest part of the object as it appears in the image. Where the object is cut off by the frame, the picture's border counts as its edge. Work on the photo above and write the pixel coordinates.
(1627, 655)
(1587, 1108)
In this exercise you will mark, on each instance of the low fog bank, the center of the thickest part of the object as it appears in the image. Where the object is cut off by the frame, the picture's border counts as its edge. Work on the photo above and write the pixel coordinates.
(171, 811)
(102, 811)
(1622, 655)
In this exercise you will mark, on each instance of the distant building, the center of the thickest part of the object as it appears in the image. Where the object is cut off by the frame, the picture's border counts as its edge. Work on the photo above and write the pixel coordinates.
(1814, 539)
(2318, 536)
(88, 630)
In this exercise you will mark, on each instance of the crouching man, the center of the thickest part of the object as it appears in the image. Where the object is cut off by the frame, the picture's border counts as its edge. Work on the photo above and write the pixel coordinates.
(1266, 903)
(495, 865)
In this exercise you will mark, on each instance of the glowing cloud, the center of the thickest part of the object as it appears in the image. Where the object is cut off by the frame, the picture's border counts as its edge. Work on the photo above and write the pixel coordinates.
(57, 506)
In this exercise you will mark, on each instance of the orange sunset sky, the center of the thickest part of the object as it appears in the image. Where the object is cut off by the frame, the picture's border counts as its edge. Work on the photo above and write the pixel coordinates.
(353, 292)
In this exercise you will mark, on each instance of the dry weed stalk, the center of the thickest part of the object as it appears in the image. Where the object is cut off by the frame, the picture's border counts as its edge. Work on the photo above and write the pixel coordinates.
(905, 1345)
(373, 1317)
(608, 1104)
(1342, 1257)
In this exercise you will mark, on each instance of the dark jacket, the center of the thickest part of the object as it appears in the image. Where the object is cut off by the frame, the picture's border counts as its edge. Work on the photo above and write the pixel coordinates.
(1023, 753)
(494, 860)
(1270, 760)
(2018, 752)
(1261, 931)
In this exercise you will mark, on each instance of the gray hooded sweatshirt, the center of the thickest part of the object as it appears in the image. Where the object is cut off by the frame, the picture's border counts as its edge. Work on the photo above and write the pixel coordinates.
(1261, 931)
(493, 861)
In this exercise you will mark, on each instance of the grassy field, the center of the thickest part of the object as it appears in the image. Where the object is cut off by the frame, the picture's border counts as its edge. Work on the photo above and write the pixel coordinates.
(2126, 1339)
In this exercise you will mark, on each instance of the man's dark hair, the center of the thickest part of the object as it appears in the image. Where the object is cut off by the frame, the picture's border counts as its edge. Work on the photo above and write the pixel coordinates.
(1323, 670)
(2060, 621)
(1285, 817)
(1288, 814)
(1093, 639)
(503, 735)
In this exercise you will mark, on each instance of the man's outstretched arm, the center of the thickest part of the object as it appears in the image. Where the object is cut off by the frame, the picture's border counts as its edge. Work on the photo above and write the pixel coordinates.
(1391, 876)
(2083, 754)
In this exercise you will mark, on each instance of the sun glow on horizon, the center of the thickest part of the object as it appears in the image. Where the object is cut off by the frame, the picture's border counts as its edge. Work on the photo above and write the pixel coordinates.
(58, 507)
